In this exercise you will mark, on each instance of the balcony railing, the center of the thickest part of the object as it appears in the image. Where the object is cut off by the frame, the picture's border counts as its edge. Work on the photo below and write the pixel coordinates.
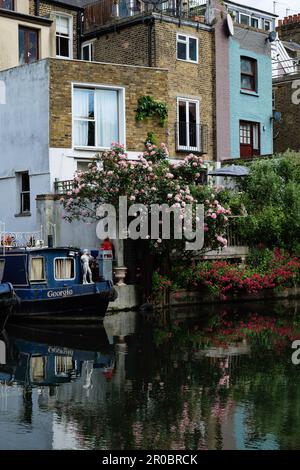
(191, 137)
(63, 187)
(107, 11)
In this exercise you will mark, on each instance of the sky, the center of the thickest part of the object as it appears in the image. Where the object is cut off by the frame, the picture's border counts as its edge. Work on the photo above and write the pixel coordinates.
(267, 5)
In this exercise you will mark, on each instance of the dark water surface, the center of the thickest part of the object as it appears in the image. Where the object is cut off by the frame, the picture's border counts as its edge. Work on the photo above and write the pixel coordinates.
(225, 382)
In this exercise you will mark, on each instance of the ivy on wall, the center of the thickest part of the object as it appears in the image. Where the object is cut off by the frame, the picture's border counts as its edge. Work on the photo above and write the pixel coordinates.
(148, 107)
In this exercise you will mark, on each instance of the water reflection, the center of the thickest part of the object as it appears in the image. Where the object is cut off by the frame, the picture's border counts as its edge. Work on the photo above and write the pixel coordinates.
(223, 382)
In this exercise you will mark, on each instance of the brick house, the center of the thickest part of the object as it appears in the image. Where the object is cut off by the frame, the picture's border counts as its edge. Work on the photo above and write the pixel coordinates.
(217, 87)
(286, 87)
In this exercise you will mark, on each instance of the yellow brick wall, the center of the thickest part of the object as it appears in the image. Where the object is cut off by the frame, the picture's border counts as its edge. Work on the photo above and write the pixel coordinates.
(136, 80)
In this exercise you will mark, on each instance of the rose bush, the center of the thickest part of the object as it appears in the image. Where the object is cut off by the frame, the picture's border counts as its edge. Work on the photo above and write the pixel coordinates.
(151, 179)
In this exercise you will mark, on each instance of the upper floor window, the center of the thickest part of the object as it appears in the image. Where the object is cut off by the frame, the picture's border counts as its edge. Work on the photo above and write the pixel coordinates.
(255, 22)
(267, 25)
(23, 184)
(98, 117)
(87, 51)
(7, 4)
(248, 74)
(28, 45)
(187, 48)
(245, 19)
(188, 135)
(63, 36)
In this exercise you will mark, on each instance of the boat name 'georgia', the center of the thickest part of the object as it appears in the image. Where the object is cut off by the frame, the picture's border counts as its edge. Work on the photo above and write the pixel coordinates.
(61, 293)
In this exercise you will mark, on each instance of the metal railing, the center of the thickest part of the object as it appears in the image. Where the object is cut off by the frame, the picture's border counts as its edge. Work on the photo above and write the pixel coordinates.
(107, 11)
(63, 187)
(191, 137)
(281, 68)
(12, 239)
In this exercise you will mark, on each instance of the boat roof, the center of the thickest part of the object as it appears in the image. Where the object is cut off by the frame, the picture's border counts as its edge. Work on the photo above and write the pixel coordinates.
(10, 250)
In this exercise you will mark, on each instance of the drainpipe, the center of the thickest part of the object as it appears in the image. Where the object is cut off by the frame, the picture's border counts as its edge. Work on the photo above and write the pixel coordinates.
(80, 19)
(150, 49)
(37, 7)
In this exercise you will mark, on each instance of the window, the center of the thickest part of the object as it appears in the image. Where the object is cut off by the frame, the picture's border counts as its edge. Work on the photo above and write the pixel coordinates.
(83, 165)
(98, 117)
(187, 48)
(28, 46)
(248, 74)
(63, 36)
(274, 99)
(37, 269)
(64, 269)
(87, 51)
(24, 188)
(255, 23)
(249, 139)
(245, 19)
(188, 137)
(2, 265)
(7, 4)
(267, 25)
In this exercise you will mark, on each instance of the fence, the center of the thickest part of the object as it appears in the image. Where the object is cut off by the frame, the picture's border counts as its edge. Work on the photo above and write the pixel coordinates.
(12, 239)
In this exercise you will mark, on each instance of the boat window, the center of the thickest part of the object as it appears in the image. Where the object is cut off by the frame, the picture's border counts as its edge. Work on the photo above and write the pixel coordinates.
(2, 264)
(37, 269)
(64, 268)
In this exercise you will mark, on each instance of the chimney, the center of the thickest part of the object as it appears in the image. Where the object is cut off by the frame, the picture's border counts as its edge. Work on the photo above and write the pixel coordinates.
(291, 19)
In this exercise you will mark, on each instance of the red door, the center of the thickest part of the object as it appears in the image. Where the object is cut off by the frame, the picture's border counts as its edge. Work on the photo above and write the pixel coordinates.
(249, 139)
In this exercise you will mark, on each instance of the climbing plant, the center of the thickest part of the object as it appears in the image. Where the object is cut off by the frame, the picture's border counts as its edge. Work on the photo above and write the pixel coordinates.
(148, 107)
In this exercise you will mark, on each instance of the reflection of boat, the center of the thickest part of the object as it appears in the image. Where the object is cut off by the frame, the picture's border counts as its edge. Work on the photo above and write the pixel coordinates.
(8, 302)
(41, 357)
(49, 281)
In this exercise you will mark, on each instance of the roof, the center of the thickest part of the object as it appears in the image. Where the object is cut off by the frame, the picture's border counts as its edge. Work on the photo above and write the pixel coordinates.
(293, 46)
(75, 3)
(251, 8)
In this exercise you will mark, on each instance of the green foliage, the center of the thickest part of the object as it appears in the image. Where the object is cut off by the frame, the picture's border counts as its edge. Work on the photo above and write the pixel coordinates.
(151, 139)
(148, 107)
(271, 194)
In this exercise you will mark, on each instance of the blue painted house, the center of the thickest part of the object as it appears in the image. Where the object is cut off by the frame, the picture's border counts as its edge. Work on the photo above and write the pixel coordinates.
(244, 114)
(250, 73)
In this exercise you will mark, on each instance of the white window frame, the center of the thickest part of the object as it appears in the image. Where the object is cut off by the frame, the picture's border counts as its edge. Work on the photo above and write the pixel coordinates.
(70, 19)
(248, 16)
(188, 147)
(255, 18)
(90, 45)
(187, 43)
(121, 111)
(54, 268)
(270, 24)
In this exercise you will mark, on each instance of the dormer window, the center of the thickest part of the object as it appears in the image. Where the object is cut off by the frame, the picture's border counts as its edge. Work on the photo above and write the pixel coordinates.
(7, 4)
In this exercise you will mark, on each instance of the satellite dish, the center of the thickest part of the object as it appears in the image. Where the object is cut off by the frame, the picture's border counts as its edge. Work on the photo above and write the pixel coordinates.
(272, 36)
(230, 25)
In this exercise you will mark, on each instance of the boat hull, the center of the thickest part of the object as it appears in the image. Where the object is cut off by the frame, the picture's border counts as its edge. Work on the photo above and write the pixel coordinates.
(81, 300)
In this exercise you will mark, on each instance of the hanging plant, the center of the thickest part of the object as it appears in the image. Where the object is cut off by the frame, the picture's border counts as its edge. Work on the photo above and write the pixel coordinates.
(148, 107)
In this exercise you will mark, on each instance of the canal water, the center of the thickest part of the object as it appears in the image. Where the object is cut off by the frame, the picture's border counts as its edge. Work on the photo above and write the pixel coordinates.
(170, 381)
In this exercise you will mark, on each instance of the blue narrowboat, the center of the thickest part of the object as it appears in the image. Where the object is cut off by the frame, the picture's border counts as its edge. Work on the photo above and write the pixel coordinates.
(49, 282)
